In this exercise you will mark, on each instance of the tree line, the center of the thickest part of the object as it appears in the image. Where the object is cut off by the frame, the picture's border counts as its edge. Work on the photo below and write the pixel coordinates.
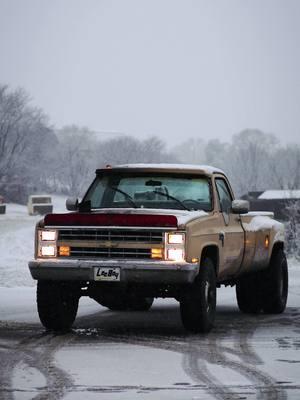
(35, 157)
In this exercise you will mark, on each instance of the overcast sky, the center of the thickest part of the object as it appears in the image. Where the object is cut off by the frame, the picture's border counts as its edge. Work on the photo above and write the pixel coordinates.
(175, 69)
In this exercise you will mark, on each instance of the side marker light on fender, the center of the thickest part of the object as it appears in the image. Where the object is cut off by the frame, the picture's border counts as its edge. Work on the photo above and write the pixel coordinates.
(267, 242)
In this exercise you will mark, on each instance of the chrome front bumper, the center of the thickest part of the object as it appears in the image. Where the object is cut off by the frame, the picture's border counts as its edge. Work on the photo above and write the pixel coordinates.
(133, 271)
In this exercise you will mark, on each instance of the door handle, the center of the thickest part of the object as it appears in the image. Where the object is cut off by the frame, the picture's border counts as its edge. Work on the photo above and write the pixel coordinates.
(222, 238)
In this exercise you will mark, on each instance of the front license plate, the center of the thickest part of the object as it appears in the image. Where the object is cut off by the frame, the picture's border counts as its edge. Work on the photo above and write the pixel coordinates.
(107, 274)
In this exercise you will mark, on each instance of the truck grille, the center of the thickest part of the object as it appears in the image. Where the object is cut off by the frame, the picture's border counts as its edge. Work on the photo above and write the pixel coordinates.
(110, 243)
(117, 235)
(96, 252)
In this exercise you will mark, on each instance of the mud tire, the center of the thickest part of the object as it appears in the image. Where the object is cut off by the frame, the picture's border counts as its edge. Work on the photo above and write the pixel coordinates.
(57, 304)
(249, 293)
(276, 284)
(198, 305)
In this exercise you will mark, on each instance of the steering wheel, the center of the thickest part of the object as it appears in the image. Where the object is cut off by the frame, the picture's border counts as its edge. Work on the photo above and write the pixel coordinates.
(191, 201)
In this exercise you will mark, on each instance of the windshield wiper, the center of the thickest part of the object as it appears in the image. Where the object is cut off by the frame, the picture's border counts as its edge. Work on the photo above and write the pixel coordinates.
(126, 195)
(173, 198)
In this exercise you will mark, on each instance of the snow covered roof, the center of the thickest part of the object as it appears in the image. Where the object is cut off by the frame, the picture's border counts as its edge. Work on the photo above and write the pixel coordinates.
(280, 194)
(33, 196)
(204, 169)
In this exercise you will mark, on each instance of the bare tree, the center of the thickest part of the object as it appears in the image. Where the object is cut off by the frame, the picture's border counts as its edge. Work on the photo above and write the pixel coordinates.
(285, 168)
(250, 154)
(292, 229)
(126, 149)
(14, 121)
(77, 154)
(190, 151)
(24, 131)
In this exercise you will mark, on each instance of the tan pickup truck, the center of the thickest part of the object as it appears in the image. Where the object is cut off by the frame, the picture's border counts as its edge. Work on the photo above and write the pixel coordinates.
(158, 230)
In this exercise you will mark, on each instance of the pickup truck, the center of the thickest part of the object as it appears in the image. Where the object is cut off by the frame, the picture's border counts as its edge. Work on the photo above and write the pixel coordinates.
(158, 230)
(39, 204)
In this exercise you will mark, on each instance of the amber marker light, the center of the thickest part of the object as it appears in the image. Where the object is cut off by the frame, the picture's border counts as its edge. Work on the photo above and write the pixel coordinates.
(64, 251)
(267, 242)
(156, 253)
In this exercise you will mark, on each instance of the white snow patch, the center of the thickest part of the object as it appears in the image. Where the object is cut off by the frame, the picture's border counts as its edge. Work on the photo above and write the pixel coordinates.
(122, 365)
(280, 194)
(201, 168)
(228, 376)
(17, 243)
(261, 213)
(262, 223)
(19, 304)
(190, 216)
(26, 381)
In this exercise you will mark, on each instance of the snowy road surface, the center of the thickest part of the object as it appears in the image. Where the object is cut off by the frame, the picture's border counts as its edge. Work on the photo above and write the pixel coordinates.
(138, 355)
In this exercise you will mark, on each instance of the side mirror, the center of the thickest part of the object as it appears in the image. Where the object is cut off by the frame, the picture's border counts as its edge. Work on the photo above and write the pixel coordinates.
(240, 206)
(72, 204)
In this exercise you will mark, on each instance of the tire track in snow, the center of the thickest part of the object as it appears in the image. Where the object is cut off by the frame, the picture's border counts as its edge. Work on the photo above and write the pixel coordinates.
(36, 351)
(27, 343)
(200, 351)
(196, 355)
(265, 385)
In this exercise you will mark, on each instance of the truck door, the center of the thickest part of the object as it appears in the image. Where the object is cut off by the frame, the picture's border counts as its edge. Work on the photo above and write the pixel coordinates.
(231, 234)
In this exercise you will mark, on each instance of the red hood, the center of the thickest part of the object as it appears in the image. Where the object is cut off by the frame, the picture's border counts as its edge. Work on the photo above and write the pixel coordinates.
(78, 219)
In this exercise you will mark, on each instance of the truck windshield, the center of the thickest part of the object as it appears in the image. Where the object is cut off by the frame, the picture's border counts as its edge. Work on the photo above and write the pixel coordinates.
(150, 191)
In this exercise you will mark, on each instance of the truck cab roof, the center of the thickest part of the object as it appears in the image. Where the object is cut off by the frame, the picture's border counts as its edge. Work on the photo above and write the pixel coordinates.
(163, 167)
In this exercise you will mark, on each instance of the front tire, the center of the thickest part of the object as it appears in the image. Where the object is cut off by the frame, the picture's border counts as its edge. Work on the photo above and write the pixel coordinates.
(57, 304)
(198, 305)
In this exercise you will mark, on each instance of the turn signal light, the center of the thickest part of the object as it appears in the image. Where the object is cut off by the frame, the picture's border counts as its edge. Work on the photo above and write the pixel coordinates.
(156, 253)
(64, 251)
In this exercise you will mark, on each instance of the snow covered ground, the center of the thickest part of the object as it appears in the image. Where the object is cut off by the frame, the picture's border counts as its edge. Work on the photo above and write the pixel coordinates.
(16, 242)
(138, 355)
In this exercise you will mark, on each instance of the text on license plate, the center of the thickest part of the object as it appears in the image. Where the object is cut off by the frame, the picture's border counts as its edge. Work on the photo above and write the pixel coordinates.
(106, 274)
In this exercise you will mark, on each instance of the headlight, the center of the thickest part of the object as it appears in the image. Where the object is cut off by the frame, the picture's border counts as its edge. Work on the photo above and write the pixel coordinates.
(175, 254)
(47, 246)
(175, 238)
(175, 246)
(48, 251)
(48, 235)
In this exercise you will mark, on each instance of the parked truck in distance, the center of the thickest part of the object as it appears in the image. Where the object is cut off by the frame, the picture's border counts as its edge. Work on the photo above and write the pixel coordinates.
(158, 230)
(2, 205)
(39, 204)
